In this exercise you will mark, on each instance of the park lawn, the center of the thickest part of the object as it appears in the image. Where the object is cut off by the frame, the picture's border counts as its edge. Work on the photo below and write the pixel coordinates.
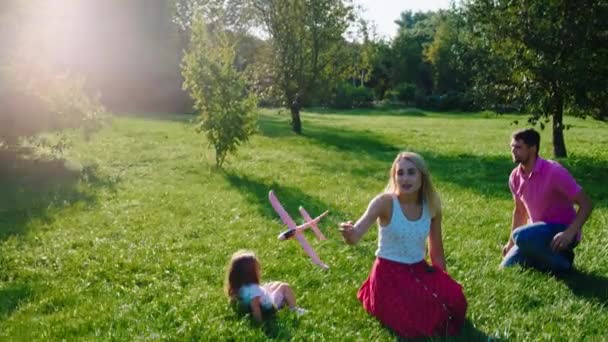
(129, 239)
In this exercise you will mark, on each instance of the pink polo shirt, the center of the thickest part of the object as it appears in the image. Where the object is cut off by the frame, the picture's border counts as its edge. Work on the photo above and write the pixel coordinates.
(547, 192)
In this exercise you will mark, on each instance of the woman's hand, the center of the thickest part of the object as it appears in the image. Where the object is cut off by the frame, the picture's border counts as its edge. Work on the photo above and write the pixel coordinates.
(379, 207)
(348, 231)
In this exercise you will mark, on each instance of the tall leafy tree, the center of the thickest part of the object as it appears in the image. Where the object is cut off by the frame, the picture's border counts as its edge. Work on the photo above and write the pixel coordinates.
(548, 55)
(415, 32)
(219, 90)
(361, 54)
(450, 53)
(305, 36)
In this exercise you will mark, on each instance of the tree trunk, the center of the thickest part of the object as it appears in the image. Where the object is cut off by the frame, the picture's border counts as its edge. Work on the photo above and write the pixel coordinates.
(559, 145)
(296, 123)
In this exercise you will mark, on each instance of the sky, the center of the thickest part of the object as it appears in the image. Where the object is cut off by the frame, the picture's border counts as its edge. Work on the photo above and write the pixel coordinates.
(384, 12)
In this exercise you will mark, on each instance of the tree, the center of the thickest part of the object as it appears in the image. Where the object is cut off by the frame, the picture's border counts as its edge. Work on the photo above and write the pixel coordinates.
(382, 65)
(448, 54)
(35, 96)
(359, 55)
(551, 56)
(226, 109)
(305, 36)
(416, 30)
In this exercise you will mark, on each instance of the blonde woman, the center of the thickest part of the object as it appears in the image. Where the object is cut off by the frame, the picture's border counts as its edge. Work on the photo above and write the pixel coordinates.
(403, 291)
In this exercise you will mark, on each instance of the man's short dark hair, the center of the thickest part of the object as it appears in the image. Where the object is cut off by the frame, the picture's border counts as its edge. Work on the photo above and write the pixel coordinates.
(529, 136)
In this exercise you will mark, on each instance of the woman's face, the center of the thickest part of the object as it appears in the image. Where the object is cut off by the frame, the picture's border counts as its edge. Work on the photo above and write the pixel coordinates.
(407, 177)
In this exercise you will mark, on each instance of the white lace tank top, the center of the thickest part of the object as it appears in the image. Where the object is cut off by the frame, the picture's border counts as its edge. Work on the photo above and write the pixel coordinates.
(403, 240)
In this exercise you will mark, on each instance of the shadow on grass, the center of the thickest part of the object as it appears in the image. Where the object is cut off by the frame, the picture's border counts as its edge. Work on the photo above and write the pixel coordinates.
(352, 141)
(469, 333)
(591, 174)
(385, 111)
(256, 191)
(278, 329)
(486, 175)
(171, 117)
(489, 175)
(11, 297)
(587, 285)
(31, 187)
(274, 328)
(273, 127)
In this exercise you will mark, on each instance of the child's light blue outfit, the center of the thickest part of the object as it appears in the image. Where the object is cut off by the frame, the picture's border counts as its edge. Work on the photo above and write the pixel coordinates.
(271, 296)
(250, 291)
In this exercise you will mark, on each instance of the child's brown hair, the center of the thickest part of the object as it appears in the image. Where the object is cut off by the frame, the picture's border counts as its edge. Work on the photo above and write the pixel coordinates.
(243, 269)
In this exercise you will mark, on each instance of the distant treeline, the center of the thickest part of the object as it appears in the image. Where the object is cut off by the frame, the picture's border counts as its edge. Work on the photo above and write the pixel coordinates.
(457, 59)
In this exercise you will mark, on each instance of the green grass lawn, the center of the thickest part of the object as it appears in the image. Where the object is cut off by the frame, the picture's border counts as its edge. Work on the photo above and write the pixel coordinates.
(130, 239)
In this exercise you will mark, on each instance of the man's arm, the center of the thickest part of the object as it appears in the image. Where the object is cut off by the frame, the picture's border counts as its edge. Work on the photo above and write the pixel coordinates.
(520, 217)
(562, 240)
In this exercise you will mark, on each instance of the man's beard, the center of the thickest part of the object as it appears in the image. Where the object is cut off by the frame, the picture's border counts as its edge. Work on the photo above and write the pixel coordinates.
(520, 160)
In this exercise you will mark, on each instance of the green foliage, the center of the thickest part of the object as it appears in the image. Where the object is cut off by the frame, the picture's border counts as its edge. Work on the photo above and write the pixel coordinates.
(450, 101)
(449, 53)
(408, 63)
(305, 36)
(404, 92)
(233, 15)
(347, 96)
(359, 54)
(36, 98)
(227, 110)
(548, 56)
(36, 101)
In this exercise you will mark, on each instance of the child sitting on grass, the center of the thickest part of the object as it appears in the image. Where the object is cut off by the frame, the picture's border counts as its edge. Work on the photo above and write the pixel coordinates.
(243, 286)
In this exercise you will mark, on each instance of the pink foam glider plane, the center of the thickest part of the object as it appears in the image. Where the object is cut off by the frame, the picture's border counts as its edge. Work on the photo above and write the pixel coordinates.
(296, 231)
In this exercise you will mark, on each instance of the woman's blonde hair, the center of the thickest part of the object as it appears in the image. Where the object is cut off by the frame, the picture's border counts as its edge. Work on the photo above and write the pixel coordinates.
(242, 270)
(428, 193)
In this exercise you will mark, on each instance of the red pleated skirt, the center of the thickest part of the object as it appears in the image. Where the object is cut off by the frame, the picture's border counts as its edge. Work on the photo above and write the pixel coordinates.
(412, 300)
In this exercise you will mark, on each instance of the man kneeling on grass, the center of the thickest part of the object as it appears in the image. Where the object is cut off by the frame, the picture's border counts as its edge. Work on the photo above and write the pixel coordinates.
(546, 227)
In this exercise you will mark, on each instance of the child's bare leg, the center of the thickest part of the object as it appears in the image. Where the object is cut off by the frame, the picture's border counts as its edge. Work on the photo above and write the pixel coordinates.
(290, 297)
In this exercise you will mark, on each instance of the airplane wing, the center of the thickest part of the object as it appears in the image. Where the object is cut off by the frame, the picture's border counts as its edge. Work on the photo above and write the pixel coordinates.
(274, 201)
(289, 233)
(308, 249)
(313, 226)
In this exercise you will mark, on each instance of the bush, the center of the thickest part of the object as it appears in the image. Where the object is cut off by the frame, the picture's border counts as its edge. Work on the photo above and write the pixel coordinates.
(405, 92)
(451, 100)
(347, 96)
(45, 103)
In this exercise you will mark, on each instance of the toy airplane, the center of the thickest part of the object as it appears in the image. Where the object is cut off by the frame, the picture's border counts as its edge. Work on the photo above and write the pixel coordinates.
(296, 231)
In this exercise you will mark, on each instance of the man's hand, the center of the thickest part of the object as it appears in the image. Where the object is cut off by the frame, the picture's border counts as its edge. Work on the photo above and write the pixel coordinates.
(561, 241)
(507, 247)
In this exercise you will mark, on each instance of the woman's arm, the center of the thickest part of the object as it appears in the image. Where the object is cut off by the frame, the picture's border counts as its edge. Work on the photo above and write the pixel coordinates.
(377, 208)
(436, 243)
(256, 309)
